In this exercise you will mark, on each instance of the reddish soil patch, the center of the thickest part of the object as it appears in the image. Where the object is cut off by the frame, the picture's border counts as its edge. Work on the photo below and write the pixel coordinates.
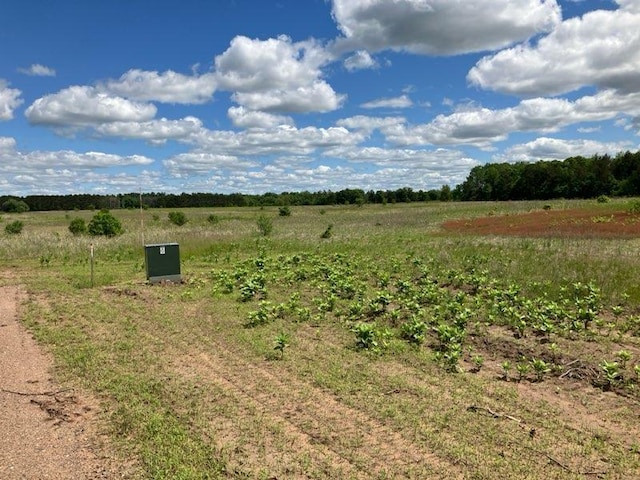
(583, 223)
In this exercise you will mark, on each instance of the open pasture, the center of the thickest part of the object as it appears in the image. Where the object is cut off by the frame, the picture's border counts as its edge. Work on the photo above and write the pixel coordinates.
(350, 342)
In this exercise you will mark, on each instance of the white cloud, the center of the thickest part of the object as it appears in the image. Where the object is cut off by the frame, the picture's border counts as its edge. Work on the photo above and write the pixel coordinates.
(482, 126)
(9, 100)
(360, 60)
(369, 124)
(281, 140)
(199, 163)
(154, 131)
(441, 27)
(545, 148)
(276, 75)
(402, 101)
(167, 87)
(243, 118)
(7, 144)
(602, 48)
(37, 70)
(81, 106)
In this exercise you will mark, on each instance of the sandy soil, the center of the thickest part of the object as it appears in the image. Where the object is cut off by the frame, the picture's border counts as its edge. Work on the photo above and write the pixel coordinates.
(47, 432)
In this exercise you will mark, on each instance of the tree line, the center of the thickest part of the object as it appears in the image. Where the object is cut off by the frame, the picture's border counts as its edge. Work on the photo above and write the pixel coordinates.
(186, 200)
(575, 177)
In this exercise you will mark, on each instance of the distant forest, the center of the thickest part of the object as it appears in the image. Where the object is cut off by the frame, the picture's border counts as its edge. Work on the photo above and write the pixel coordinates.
(575, 177)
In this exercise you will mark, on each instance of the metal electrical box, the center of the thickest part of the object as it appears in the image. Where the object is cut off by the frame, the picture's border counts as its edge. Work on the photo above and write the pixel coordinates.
(163, 262)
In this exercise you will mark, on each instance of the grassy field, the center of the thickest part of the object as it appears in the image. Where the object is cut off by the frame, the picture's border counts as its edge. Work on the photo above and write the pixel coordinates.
(350, 342)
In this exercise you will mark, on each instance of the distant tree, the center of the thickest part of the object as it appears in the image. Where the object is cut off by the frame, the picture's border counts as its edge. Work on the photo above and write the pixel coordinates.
(103, 223)
(14, 205)
(445, 193)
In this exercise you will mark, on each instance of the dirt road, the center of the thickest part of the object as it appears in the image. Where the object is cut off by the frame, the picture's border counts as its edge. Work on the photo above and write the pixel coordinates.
(47, 432)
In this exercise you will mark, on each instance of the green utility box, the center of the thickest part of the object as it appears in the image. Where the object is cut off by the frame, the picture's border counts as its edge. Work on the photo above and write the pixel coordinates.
(163, 262)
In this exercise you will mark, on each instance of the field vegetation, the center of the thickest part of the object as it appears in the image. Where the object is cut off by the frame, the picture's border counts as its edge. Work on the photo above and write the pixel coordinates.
(361, 341)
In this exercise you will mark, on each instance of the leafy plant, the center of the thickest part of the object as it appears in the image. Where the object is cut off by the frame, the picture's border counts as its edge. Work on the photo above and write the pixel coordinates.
(281, 342)
(506, 368)
(213, 219)
(414, 331)
(611, 372)
(624, 356)
(540, 368)
(523, 368)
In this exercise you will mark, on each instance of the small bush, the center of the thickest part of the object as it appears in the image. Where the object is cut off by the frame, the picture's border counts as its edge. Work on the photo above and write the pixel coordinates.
(14, 228)
(265, 225)
(603, 199)
(213, 219)
(78, 226)
(285, 211)
(178, 218)
(634, 207)
(328, 232)
(103, 223)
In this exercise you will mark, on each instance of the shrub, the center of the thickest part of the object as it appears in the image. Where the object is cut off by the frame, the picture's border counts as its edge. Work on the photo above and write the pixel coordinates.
(78, 226)
(213, 219)
(285, 211)
(178, 218)
(15, 206)
(634, 207)
(603, 199)
(265, 225)
(103, 223)
(14, 228)
(328, 232)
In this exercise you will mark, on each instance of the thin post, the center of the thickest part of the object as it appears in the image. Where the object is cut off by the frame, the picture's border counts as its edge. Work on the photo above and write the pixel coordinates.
(91, 255)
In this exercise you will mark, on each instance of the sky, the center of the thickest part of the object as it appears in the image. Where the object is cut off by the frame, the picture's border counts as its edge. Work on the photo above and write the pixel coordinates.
(256, 96)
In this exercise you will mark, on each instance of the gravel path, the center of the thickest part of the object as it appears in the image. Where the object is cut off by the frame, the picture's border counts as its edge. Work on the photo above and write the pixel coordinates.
(45, 432)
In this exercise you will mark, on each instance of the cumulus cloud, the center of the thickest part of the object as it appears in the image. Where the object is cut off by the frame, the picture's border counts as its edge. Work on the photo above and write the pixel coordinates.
(602, 48)
(281, 140)
(276, 75)
(61, 171)
(244, 118)
(360, 60)
(37, 70)
(9, 100)
(545, 148)
(81, 106)
(190, 163)
(7, 144)
(167, 87)
(441, 27)
(481, 126)
(154, 131)
(402, 101)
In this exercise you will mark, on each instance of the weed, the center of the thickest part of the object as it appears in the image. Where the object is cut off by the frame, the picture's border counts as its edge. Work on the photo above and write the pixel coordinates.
(281, 343)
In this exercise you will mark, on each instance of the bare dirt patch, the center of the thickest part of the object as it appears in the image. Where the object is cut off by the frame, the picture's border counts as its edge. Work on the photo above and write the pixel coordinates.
(48, 432)
(581, 223)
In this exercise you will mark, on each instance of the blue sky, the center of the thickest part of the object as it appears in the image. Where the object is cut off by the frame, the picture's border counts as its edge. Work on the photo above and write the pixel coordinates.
(259, 96)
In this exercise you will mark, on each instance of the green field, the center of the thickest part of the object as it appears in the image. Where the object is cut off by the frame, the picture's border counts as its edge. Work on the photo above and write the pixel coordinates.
(349, 342)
